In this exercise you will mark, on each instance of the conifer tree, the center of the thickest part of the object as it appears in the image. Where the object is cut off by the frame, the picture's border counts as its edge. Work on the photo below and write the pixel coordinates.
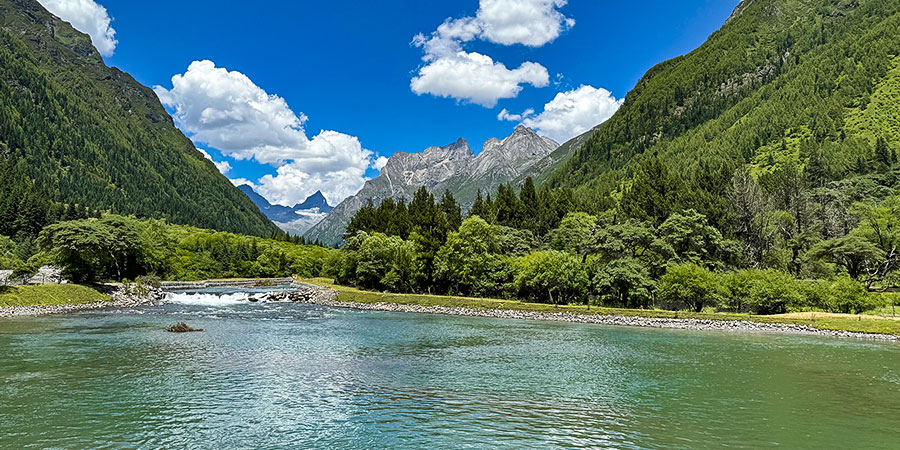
(530, 205)
(882, 154)
(451, 211)
(655, 193)
(509, 208)
(477, 207)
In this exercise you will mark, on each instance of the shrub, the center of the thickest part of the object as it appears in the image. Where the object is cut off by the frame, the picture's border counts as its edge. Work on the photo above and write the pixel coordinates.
(763, 291)
(151, 281)
(624, 282)
(692, 286)
(551, 276)
(848, 296)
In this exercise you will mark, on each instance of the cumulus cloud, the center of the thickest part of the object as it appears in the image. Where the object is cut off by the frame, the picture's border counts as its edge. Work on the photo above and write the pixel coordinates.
(450, 71)
(570, 113)
(527, 22)
(226, 110)
(88, 17)
(338, 171)
(476, 78)
(223, 166)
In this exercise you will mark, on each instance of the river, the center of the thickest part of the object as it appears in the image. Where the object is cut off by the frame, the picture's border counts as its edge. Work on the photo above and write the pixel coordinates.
(305, 376)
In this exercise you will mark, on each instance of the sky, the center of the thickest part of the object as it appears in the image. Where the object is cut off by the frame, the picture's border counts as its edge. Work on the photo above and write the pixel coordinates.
(298, 96)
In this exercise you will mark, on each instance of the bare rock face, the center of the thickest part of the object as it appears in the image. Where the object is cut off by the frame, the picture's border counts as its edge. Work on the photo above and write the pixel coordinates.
(453, 167)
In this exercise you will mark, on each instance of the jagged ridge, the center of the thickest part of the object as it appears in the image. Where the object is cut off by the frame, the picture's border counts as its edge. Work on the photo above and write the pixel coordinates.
(453, 167)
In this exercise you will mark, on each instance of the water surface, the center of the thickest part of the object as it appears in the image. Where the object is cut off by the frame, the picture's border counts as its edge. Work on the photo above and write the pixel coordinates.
(303, 376)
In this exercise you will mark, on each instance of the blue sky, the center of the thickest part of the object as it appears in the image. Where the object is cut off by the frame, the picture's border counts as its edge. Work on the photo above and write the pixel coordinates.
(347, 66)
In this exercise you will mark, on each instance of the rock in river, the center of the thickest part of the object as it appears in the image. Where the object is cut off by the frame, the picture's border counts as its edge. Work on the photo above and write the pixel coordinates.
(182, 327)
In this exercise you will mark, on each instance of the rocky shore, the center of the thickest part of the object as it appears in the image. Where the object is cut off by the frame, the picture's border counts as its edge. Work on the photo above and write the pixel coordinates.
(120, 298)
(329, 298)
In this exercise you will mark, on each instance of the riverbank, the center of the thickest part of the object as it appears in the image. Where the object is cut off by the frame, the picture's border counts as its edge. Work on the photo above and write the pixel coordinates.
(61, 299)
(66, 298)
(847, 327)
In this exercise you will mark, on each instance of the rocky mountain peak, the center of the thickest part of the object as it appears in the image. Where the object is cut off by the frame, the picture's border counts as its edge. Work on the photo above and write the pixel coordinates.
(316, 200)
(453, 167)
(513, 154)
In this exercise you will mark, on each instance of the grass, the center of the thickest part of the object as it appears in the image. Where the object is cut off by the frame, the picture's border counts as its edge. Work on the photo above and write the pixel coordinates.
(831, 322)
(49, 294)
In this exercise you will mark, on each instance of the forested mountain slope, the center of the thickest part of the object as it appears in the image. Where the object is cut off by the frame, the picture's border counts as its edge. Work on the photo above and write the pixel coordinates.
(814, 83)
(83, 133)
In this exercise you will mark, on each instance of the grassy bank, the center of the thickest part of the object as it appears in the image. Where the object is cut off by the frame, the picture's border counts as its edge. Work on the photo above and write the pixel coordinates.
(49, 294)
(839, 322)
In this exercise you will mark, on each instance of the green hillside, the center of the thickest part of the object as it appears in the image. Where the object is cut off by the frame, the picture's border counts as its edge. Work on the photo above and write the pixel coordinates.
(83, 133)
(783, 81)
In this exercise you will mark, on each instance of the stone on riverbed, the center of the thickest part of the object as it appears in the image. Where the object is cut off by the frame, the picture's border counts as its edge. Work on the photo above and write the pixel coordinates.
(182, 327)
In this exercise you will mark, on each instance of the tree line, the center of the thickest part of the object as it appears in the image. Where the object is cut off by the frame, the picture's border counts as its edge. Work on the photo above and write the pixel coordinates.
(763, 243)
(114, 247)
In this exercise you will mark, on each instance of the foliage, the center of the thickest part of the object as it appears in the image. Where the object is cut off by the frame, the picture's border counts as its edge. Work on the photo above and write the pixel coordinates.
(763, 291)
(469, 257)
(624, 282)
(93, 249)
(552, 276)
(117, 247)
(692, 240)
(8, 258)
(840, 295)
(691, 285)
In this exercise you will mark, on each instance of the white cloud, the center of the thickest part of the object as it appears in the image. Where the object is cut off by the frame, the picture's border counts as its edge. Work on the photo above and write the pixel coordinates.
(88, 17)
(570, 113)
(506, 115)
(223, 166)
(226, 110)
(450, 71)
(338, 171)
(476, 78)
(527, 22)
(379, 163)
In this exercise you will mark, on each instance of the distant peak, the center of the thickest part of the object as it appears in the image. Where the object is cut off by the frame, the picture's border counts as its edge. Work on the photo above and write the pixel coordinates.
(522, 129)
(316, 200)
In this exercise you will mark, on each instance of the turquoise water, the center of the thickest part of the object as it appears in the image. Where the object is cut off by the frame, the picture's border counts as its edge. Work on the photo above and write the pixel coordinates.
(301, 376)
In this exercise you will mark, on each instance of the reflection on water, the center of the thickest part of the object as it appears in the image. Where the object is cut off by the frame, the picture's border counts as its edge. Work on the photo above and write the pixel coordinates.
(275, 375)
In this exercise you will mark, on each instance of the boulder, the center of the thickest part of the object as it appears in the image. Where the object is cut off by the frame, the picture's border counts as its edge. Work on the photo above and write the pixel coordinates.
(182, 327)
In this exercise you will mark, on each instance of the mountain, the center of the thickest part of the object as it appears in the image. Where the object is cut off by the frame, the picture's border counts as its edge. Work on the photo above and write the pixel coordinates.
(315, 201)
(88, 134)
(810, 82)
(544, 167)
(295, 220)
(453, 167)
